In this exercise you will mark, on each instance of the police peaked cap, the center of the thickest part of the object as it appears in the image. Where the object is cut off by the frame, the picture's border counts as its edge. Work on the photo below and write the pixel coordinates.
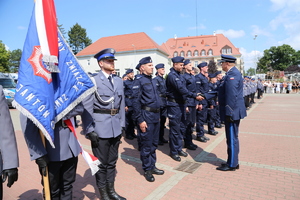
(178, 59)
(145, 60)
(218, 72)
(129, 71)
(203, 64)
(227, 58)
(187, 61)
(108, 53)
(212, 75)
(158, 66)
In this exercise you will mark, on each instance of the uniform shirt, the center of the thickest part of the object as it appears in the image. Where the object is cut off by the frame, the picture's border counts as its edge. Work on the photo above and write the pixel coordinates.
(190, 83)
(202, 86)
(128, 92)
(212, 87)
(145, 94)
(176, 88)
(162, 89)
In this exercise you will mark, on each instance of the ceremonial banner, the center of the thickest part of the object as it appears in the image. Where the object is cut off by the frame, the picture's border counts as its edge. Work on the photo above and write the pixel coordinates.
(42, 96)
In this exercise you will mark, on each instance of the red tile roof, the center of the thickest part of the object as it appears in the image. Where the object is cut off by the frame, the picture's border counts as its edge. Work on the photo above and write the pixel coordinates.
(126, 42)
(205, 42)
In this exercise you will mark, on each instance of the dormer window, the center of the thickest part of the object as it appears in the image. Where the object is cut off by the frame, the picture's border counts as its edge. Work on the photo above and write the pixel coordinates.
(175, 54)
(210, 52)
(203, 53)
(196, 53)
(189, 54)
(182, 53)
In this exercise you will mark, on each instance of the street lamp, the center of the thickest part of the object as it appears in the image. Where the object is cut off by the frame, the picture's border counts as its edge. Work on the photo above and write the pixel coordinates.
(255, 59)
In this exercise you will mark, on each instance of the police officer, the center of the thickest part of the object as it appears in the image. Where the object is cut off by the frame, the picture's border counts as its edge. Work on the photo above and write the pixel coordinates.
(232, 109)
(190, 106)
(9, 160)
(103, 120)
(161, 86)
(146, 107)
(212, 103)
(129, 128)
(176, 96)
(218, 123)
(61, 160)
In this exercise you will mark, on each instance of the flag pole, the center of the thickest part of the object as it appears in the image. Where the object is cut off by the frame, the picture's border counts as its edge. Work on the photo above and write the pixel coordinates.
(45, 178)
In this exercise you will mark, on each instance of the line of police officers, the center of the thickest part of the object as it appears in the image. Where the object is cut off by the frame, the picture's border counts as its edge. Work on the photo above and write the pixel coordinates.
(184, 98)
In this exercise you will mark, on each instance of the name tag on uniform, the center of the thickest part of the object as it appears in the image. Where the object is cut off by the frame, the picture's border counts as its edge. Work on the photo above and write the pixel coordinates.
(177, 79)
(134, 87)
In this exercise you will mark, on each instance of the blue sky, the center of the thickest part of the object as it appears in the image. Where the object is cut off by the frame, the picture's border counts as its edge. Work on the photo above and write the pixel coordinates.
(275, 22)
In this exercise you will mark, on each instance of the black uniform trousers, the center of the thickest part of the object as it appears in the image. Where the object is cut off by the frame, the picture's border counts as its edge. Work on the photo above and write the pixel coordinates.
(232, 140)
(149, 142)
(190, 123)
(218, 118)
(62, 175)
(211, 119)
(107, 153)
(129, 127)
(163, 118)
(201, 119)
(176, 115)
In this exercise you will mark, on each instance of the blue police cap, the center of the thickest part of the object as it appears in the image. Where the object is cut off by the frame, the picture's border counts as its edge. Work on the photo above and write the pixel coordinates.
(158, 66)
(129, 71)
(213, 75)
(138, 66)
(145, 60)
(203, 64)
(108, 53)
(227, 58)
(218, 72)
(178, 59)
(187, 61)
(124, 75)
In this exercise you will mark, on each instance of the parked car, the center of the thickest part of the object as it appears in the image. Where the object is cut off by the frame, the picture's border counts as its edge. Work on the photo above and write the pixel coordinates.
(9, 89)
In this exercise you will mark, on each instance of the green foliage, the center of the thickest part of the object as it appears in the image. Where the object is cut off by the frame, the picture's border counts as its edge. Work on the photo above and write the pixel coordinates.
(15, 60)
(62, 30)
(78, 39)
(4, 58)
(278, 58)
(250, 72)
(212, 67)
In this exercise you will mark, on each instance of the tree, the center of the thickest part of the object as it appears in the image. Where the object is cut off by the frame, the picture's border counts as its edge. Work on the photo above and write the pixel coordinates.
(4, 58)
(62, 30)
(278, 58)
(78, 39)
(15, 60)
(212, 67)
(250, 72)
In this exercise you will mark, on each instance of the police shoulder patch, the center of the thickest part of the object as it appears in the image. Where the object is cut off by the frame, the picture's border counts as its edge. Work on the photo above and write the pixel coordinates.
(135, 87)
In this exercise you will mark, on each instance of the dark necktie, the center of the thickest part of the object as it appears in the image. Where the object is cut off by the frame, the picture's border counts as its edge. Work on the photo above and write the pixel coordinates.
(109, 78)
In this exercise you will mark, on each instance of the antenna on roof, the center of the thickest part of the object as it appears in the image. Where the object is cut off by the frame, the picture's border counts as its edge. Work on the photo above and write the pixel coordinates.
(175, 36)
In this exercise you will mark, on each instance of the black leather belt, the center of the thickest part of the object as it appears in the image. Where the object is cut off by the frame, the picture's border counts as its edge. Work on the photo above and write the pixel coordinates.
(155, 110)
(163, 95)
(176, 100)
(129, 97)
(107, 111)
(61, 123)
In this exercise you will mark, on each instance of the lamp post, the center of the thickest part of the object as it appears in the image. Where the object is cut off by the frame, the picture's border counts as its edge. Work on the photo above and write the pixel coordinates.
(255, 59)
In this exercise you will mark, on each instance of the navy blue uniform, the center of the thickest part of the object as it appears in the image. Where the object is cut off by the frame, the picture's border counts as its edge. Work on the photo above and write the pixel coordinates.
(212, 112)
(176, 97)
(191, 105)
(146, 107)
(161, 86)
(232, 105)
(129, 126)
(218, 119)
(201, 115)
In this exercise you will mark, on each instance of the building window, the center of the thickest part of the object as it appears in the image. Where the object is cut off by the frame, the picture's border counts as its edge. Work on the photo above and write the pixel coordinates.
(195, 63)
(196, 53)
(189, 54)
(175, 53)
(203, 53)
(229, 51)
(224, 51)
(182, 54)
(210, 52)
(118, 72)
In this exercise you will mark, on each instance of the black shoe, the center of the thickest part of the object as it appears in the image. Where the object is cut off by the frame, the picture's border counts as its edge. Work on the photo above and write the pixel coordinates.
(237, 167)
(225, 167)
(175, 157)
(129, 137)
(134, 135)
(190, 147)
(182, 153)
(201, 139)
(207, 139)
(112, 193)
(103, 193)
(212, 132)
(157, 171)
(196, 146)
(160, 143)
(148, 176)
(219, 126)
(164, 140)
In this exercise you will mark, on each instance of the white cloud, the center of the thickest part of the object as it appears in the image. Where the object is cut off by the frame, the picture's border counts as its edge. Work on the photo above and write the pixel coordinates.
(184, 15)
(158, 28)
(6, 47)
(22, 27)
(232, 33)
(201, 26)
(250, 58)
(256, 30)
